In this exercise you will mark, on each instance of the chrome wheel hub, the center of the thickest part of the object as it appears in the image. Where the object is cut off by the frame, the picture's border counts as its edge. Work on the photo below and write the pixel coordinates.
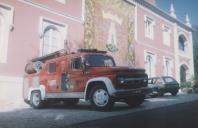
(36, 99)
(100, 97)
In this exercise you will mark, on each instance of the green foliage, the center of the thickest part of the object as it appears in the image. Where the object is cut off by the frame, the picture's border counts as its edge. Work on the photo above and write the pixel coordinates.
(186, 84)
(195, 49)
(194, 81)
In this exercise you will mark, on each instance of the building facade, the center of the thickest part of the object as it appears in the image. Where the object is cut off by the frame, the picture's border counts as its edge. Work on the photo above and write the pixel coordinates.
(163, 44)
(135, 32)
(32, 28)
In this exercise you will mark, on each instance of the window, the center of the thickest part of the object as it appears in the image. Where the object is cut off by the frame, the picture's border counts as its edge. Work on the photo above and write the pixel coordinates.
(61, 1)
(184, 73)
(158, 81)
(99, 61)
(150, 64)
(52, 41)
(76, 63)
(52, 68)
(149, 27)
(53, 37)
(6, 23)
(1, 28)
(182, 43)
(166, 35)
(167, 63)
(168, 67)
(168, 79)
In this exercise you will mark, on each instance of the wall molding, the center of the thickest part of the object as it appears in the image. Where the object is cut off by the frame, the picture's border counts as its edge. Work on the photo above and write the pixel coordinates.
(11, 80)
(157, 49)
(51, 10)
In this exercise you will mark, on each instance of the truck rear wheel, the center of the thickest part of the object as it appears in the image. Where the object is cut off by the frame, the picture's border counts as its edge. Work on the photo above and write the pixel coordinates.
(135, 100)
(35, 100)
(100, 98)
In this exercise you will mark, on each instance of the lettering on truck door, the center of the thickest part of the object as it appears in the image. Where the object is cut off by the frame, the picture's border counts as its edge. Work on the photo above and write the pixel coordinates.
(53, 77)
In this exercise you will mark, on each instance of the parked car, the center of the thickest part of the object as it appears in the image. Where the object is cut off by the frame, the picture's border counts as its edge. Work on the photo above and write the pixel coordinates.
(153, 89)
(161, 85)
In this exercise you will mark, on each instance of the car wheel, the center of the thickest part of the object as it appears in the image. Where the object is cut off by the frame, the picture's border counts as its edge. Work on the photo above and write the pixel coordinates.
(174, 93)
(71, 102)
(35, 100)
(161, 93)
(135, 100)
(100, 98)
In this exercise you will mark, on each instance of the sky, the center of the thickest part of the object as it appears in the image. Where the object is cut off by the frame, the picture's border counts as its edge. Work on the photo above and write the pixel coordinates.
(181, 8)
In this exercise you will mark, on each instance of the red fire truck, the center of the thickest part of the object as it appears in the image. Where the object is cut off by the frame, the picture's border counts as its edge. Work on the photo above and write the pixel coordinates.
(88, 74)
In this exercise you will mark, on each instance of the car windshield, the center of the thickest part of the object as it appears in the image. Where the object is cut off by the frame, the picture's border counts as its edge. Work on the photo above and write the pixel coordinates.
(157, 81)
(168, 79)
(99, 61)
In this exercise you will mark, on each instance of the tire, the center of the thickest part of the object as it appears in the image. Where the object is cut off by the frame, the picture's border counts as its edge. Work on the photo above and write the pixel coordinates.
(35, 100)
(100, 98)
(161, 93)
(174, 93)
(135, 100)
(71, 102)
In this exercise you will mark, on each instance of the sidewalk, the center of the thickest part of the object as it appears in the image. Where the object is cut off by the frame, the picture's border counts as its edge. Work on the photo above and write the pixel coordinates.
(12, 105)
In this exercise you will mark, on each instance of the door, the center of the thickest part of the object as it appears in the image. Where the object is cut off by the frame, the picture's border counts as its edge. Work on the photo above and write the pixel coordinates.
(77, 77)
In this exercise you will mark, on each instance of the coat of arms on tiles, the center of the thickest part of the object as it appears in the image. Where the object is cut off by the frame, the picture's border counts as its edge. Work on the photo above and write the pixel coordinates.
(111, 43)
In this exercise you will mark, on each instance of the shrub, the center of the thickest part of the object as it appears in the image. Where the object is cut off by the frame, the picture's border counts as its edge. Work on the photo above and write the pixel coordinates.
(186, 84)
(195, 83)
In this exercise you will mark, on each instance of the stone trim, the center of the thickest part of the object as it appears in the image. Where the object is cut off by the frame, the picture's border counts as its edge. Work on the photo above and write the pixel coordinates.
(51, 10)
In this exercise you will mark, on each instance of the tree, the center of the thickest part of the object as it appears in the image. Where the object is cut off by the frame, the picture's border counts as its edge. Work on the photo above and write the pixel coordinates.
(195, 49)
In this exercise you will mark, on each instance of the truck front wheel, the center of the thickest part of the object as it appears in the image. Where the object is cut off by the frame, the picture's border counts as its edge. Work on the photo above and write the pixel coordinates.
(100, 98)
(35, 100)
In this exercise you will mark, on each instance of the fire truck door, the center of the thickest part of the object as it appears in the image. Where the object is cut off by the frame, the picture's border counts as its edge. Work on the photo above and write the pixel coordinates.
(65, 82)
(76, 76)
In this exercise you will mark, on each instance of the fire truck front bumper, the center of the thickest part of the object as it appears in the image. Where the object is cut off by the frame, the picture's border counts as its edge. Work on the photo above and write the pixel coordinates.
(131, 92)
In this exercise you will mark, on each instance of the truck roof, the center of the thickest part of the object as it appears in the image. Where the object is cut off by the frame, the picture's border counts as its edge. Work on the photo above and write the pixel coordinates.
(63, 52)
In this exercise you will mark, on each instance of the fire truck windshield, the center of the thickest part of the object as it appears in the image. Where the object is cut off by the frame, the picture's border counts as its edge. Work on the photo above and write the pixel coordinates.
(99, 61)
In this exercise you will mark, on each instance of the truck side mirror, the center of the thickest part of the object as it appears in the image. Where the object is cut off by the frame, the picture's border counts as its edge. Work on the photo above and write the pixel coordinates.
(85, 65)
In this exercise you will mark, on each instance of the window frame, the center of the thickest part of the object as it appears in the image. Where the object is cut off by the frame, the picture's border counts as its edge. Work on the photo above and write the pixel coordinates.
(55, 68)
(61, 1)
(152, 69)
(168, 70)
(184, 43)
(166, 35)
(149, 28)
(45, 23)
(7, 15)
(72, 63)
(51, 30)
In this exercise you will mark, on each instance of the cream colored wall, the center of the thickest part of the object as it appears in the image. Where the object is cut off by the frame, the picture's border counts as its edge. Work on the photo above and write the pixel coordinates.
(11, 89)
